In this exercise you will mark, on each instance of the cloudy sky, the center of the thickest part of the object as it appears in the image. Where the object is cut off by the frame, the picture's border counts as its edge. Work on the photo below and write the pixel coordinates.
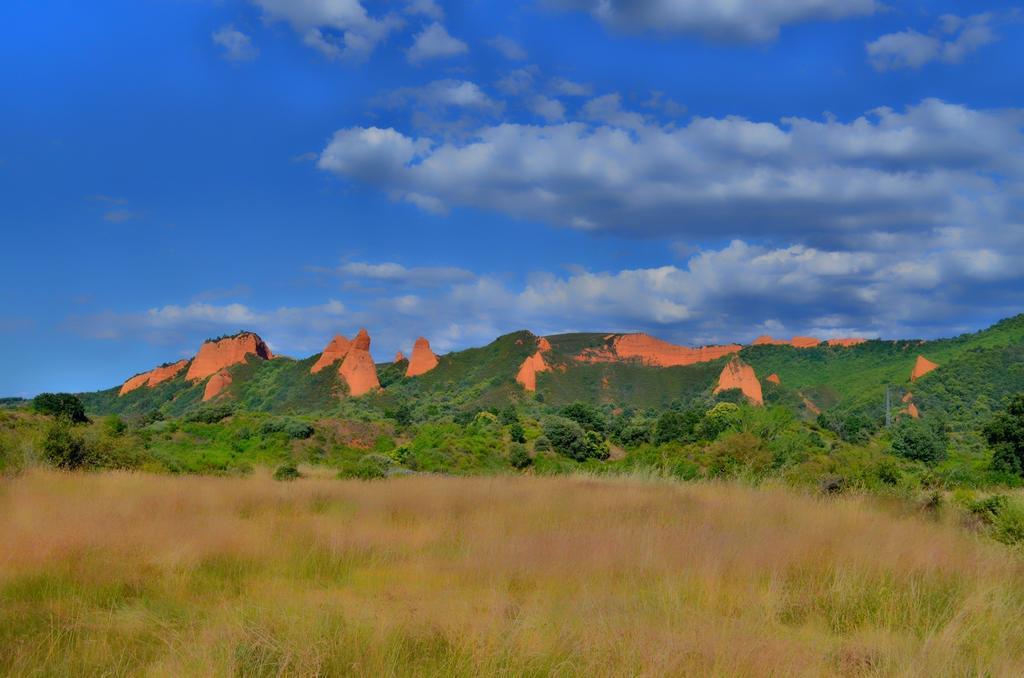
(172, 170)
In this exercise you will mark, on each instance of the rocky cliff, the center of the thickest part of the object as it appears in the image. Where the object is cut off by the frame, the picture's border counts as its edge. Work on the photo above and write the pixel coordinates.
(216, 354)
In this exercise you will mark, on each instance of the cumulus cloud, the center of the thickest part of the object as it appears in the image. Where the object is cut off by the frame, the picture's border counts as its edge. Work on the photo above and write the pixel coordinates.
(933, 165)
(236, 45)
(951, 41)
(433, 42)
(730, 293)
(552, 110)
(509, 48)
(427, 8)
(392, 272)
(440, 94)
(736, 20)
(569, 88)
(338, 29)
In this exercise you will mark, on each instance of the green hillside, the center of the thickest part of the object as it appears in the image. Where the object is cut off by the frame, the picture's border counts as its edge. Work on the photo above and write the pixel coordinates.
(977, 373)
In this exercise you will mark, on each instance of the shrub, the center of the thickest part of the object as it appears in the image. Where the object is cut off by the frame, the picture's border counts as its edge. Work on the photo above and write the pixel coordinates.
(542, 444)
(518, 457)
(717, 420)
(914, 439)
(676, 426)
(738, 454)
(286, 472)
(60, 405)
(1005, 434)
(210, 414)
(516, 432)
(370, 467)
(566, 436)
(586, 415)
(65, 448)
(634, 435)
(114, 425)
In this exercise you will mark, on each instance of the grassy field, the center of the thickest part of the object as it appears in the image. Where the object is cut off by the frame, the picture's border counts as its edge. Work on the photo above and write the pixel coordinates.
(118, 574)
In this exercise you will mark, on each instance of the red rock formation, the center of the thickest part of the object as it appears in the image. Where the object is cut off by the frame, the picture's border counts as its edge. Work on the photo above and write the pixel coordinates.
(768, 340)
(907, 397)
(216, 385)
(155, 376)
(214, 356)
(358, 369)
(653, 351)
(804, 342)
(922, 367)
(527, 375)
(399, 357)
(738, 374)
(811, 407)
(336, 350)
(774, 378)
(851, 341)
(423, 359)
(913, 411)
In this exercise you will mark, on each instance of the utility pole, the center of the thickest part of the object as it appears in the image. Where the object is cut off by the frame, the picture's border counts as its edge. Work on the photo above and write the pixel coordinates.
(888, 407)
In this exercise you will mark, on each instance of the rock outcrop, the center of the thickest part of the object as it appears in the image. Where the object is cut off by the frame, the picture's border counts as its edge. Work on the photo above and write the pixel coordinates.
(155, 376)
(922, 367)
(527, 375)
(218, 382)
(423, 359)
(652, 351)
(846, 342)
(336, 350)
(774, 378)
(804, 342)
(216, 354)
(738, 374)
(796, 342)
(358, 369)
(399, 357)
(768, 340)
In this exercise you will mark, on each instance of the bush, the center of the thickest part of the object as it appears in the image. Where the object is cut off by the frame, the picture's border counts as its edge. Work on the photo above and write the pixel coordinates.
(542, 444)
(718, 420)
(287, 472)
(738, 454)
(914, 439)
(65, 448)
(1005, 434)
(210, 414)
(60, 405)
(370, 467)
(518, 457)
(676, 426)
(516, 432)
(587, 416)
(569, 439)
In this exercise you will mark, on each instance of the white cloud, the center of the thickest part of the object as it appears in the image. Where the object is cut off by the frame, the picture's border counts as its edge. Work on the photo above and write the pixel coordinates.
(335, 28)
(237, 45)
(509, 48)
(517, 82)
(733, 20)
(441, 94)
(552, 110)
(433, 42)
(568, 88)
(397, 273)
(950, 42)
(427, 8)
(933, 165)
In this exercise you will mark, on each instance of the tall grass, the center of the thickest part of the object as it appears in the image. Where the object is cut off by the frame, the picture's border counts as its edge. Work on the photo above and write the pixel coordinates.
(121, 574)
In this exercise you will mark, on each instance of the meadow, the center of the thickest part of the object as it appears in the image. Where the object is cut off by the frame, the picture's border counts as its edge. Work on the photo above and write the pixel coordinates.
(126, 573)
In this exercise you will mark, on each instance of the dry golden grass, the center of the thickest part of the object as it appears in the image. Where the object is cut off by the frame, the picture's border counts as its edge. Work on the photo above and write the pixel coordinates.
(126, 574)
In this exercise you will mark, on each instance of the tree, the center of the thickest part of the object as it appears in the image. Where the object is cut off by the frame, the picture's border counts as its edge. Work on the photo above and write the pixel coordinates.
(676, 426)
(1005, 434)
(65, 448)
(920, 441)
(586, 415)
(61, 405)
(718, 419)
(516, 432)
(568, 438)
(518, 457)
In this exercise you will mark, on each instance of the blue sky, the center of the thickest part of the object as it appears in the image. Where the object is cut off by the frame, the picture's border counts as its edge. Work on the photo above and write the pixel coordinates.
(177, 169)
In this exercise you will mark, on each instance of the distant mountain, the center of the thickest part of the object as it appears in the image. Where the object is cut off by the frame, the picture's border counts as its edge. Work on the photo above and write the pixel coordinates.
(964, 378)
